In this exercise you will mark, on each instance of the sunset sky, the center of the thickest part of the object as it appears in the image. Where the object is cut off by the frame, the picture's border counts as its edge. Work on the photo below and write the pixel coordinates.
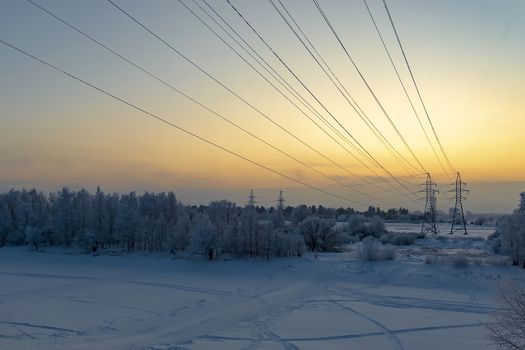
(467, 57)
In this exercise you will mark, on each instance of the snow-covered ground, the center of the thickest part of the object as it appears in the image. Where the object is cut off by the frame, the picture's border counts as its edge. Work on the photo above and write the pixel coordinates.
(55, 300)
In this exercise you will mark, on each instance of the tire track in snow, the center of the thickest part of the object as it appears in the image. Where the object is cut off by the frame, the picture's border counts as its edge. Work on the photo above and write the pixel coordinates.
(273, 336)
(391, 336)
(413, 302)
(94, 302)
(50, 328)
(359, 335)
(181, 287)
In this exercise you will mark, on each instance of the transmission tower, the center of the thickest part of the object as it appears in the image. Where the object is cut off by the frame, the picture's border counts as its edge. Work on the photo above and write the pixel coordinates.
(280, 201)
(458, 218)
(521, 208)
(251, 199)
(429, 217)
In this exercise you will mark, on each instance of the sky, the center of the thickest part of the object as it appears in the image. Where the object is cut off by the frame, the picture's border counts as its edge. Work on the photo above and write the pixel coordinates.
(467, 58)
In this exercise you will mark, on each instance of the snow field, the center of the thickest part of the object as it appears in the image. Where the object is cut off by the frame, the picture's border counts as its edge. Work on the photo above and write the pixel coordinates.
(55, 300)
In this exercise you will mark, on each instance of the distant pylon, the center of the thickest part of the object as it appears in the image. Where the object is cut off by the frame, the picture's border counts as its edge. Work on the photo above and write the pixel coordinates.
(429, 216)
(521, 208)
(458, 218)
(251, 199)
(280, 201)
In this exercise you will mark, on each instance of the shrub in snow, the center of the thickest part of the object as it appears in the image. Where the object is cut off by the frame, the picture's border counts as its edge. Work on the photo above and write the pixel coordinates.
(319, 234)
(357, 225)
(460, 262)
(399, 238)
(360, 226)
(368, 249)
(387, 253)
(377, 226)
(421, 235)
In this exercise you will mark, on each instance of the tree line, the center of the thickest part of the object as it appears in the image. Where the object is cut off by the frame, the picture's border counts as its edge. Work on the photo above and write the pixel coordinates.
(160, 222)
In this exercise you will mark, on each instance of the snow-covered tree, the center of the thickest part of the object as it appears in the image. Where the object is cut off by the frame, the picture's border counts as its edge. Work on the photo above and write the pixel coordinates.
(204, 238)
(82, 212)
(33, 236)
(511, 235)
(299, 213)
(64, 216)
(128, 221)
(249, 231)
(223, 215)
(287, 244)
(181, 231)
(5, 222)
(319, 234)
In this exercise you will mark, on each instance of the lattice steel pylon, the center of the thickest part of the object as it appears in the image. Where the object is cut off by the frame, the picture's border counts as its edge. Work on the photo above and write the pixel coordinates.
(521, 208)
(429, 216)
(251, 199)
(458, 218)
(280, 201)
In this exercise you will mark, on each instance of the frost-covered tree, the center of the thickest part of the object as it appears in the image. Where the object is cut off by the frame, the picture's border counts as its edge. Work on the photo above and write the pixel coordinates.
(100, 218)
(5, 222)
(204, 238)
(33, 236)
(128, 221)
(223, 215)
(64, 216)
(319, 234)
(82, 212)
(111, 207)
(299, 213)
(88, 240)
(159, 222)
(180, 239)
(511, 236)
(250, 231)
(287, 244)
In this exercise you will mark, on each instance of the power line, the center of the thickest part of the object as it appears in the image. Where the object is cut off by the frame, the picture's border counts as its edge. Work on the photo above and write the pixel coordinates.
(266, 66)
(402, 84)
(218, 115)
(227, 88)
(416, 86)
(315, 97)
(276, 75)
(266, 79)
(321, 11)
(165, 121)
(339, 86)
(300, 81)
(273, 73)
